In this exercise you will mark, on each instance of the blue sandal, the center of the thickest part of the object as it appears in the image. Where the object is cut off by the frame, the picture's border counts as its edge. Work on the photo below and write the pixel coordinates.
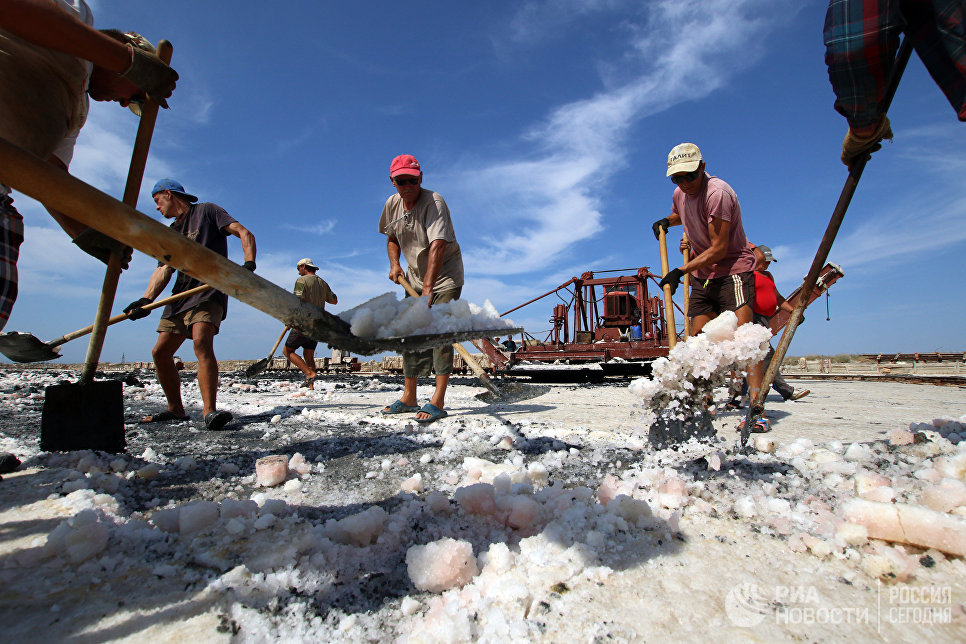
(399, 407)
(435, 413)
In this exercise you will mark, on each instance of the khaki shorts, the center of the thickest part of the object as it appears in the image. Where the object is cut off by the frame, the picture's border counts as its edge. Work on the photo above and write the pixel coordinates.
(440, 359)
(180, 324)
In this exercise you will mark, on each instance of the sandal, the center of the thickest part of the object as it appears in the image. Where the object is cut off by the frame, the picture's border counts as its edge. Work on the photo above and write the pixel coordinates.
(166, 416)
(762, 426)
(216, 420)
(435, 413)
(399, 407)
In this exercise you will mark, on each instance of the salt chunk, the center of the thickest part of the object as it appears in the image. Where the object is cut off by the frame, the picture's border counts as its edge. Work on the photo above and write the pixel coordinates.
(166, 520)
(119, 465)
(276, 419)
(271, 470)
(537, 472)
(438, 503)
(299, 464)
(441, 565)
(745, 507)
(866, 481)
(359, 529)
(904, 523)
(186, 463)
(149, 471)
(884, 494)
(413, 485)
(292, 486)
(899, 437)
(277, 507)
(523, 512)
(409, 606)
(265, 521)
(764, 444)
(476, 499)
(197, 515)
(852, 534)
(944, 496)
(424, 459)
(149, 454)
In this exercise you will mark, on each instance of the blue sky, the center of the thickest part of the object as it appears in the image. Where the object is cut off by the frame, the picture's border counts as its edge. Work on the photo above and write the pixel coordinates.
(546, 127)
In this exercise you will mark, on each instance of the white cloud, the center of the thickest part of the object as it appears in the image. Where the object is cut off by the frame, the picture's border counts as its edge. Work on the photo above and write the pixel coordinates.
(550, 196)
(322, 228)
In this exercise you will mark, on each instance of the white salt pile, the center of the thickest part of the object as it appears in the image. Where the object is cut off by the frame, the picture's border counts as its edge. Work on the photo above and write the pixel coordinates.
(387, 317)
(680, 383)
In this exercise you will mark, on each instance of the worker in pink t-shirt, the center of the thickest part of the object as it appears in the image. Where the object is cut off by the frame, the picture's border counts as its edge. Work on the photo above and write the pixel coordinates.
(722, 261)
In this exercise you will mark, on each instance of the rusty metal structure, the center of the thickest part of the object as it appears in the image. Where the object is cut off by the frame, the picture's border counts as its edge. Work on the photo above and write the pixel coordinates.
(607, 323)
(604, 325)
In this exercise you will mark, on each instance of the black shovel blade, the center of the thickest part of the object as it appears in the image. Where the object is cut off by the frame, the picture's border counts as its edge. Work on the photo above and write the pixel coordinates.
(25, 347)
(667, 432)
(256, 368)
(83, 416)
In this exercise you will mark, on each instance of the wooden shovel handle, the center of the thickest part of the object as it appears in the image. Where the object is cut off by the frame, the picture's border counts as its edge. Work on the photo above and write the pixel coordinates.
(277, 342)
(672, 334)
(139, 158)
(686, 283)
(124, 316)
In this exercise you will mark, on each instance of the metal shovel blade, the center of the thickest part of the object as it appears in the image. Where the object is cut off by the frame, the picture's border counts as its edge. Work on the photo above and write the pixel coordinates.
(430, 341)
(256, 368)
(80, 416)
(26, 347)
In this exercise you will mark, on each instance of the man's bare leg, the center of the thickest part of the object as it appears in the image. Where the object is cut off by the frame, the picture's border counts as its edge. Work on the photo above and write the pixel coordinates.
(203, 337)
(163, 354)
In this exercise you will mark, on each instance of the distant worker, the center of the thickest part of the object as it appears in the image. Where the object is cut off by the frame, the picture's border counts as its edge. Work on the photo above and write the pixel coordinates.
(52, 61)
(861, 41)
(197, 317)
(417, 225)
(310, 288)
(768, 301)
(509, 345)
(722, 262)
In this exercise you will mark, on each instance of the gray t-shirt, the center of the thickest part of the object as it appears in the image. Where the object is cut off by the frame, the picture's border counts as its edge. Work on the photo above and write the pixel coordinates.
(415, 230)
(204, 223)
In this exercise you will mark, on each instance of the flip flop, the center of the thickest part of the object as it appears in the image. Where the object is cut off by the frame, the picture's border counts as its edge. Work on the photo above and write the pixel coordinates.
(166, 416)
(216, 420)
(762, 426)
(399, 407)
(435, 413)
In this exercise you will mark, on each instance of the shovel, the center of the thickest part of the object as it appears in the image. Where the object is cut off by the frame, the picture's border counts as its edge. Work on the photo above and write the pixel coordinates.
(26, 347)
(672, 334)
(89, 414)
(757, 407)
(254, 369)
(460, 349)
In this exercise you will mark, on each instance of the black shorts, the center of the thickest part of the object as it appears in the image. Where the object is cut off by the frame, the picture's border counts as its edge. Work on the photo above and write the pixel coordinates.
(296, 340)
(718, 294)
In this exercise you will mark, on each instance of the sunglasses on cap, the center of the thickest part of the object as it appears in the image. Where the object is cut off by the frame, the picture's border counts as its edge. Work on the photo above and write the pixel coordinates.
(678, 179)
(403, 181)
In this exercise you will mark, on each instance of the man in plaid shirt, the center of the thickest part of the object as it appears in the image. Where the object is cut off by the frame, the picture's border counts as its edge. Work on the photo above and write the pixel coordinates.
(861, 40)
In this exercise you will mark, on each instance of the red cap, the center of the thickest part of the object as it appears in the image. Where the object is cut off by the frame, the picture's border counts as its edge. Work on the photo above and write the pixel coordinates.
(405, 164)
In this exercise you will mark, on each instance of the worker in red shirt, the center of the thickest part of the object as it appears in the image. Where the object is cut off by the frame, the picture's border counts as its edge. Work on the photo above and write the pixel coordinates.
(767, 303)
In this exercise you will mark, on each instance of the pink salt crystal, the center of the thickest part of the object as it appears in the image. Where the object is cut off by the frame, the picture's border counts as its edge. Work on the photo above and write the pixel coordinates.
(673, 486)
(299, 464)
(231, 508)
(441, 565)
(880, 494)
(945, 496)
(901, 437)
(904, 523)
(523, 512)
(608, 489)
(714, 461)
(796, 542)
(413, 484)
(476, 499)
(866, 481)
(271, 470)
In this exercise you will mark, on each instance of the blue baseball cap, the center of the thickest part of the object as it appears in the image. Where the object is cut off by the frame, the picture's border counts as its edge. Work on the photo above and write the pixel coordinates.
(173, 186)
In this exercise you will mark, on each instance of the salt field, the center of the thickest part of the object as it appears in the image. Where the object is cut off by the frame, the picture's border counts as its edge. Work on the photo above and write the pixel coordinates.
(544, 516)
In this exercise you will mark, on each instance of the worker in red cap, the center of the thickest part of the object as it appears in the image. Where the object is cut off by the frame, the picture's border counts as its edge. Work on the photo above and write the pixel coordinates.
(417, 225)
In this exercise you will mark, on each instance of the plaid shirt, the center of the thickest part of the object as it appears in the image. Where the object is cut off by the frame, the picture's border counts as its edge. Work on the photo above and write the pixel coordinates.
(861, 40)
(11, 236)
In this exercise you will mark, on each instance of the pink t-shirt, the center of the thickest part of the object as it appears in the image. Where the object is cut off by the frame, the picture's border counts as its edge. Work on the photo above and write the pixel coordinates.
(716, 200)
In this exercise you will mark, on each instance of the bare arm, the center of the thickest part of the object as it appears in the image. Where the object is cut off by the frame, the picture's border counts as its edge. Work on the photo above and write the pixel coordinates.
(437, 249)
(44, 23)
(333, 298)
(395, 269)
(159, 279)
(719, 231)
(247, 239)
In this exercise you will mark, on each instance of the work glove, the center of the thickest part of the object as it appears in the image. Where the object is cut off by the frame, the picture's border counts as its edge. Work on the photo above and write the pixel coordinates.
(658, 225)
(672, 279)
(149, 72)
(134, 310)
(249, 265)
(853, 147)
(97, 244)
